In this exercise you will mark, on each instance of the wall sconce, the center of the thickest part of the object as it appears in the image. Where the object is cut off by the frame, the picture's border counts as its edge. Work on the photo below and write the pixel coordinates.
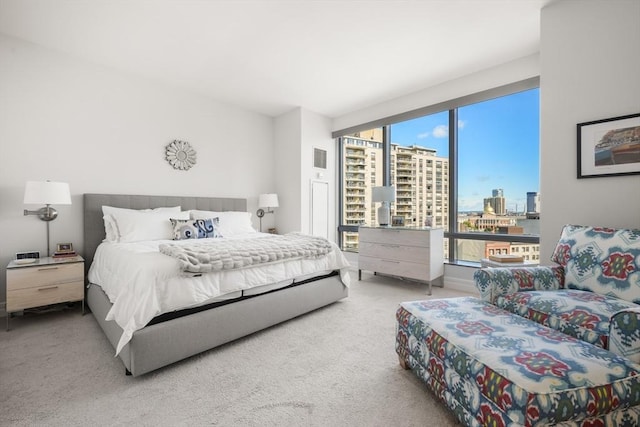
(267, 201)
(46, 193)
(385, 195)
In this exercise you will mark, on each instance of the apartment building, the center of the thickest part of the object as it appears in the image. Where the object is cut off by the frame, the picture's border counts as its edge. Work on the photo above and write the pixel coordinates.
(421, 179)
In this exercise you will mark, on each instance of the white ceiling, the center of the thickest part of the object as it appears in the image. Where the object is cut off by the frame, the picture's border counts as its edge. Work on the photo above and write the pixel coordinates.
(328, 56)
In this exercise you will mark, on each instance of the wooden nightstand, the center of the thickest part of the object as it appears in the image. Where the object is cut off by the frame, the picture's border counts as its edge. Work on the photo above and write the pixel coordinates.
(46, 281)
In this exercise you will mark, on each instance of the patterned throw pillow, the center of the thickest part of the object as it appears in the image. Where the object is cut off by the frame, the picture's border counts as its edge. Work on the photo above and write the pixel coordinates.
(601, 260)
(195, 228)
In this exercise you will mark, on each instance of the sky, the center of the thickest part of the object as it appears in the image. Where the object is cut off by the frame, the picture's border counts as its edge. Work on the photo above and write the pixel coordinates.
(498, 146)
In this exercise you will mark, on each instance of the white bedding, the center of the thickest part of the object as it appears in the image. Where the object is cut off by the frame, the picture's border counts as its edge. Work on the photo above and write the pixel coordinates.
(142, 283)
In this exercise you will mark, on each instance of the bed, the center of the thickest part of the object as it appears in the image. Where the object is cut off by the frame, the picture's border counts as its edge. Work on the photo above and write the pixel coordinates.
(171, 337)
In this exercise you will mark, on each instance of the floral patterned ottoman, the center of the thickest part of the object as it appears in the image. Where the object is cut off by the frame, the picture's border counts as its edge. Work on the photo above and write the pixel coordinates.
(494, 368)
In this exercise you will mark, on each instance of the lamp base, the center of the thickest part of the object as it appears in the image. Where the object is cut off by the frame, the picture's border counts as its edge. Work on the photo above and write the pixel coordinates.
(383, 214)
(46, 214)
(260, 213)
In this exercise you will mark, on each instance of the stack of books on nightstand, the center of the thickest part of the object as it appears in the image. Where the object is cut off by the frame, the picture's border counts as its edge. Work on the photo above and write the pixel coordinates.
(64, 254)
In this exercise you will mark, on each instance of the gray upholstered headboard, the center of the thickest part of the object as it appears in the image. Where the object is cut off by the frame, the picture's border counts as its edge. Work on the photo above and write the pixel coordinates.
(94, 232)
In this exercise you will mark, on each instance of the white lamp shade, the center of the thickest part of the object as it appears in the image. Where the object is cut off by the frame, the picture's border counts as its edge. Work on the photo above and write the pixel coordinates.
(47, 193)
(383, 194)
(268, 201)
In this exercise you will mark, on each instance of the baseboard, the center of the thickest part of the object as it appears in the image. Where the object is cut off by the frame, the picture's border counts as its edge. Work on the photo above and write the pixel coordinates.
(458, 284)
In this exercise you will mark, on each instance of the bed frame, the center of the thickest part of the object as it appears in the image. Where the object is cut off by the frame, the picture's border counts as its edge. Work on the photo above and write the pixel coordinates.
(167, 342)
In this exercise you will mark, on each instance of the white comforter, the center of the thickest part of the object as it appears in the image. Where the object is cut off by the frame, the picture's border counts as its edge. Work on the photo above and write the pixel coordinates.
(142, 283)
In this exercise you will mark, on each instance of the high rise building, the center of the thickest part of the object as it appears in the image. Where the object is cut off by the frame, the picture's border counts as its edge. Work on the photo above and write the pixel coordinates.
(421, 179)
(362, 171)
(497, 202)
(533, 204)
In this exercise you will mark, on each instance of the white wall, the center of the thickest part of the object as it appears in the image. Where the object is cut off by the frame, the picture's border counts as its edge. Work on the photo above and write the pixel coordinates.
(296, 134)
(287, 136)
(104, 131)
(590, 70)
(316, 133)
(499, 75)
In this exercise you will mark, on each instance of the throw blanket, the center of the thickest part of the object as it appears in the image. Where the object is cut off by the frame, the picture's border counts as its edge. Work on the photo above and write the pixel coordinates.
(210, 255)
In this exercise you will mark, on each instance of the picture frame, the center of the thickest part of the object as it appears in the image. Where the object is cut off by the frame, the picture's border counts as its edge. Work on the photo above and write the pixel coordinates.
(609, 147)
(64, 248)
(397, 221)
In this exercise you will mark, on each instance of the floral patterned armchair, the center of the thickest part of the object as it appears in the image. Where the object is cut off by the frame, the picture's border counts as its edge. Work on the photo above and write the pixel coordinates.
(592, 294)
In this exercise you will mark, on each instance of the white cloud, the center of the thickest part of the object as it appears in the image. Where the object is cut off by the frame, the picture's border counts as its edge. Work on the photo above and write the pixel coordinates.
(441, 131)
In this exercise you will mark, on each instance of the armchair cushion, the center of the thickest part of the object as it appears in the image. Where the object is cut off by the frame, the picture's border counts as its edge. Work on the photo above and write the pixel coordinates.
(580, 314)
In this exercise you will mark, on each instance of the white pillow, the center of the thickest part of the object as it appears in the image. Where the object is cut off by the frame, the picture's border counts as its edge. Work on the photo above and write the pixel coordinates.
(231, 222)
(110, 229)
(133, 225)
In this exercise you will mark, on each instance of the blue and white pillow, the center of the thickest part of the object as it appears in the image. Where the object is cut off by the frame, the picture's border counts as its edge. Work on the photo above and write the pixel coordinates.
(195, 228)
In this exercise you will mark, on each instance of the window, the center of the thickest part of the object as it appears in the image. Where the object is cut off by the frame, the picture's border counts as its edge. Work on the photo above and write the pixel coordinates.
(498, 166)
(472, 168)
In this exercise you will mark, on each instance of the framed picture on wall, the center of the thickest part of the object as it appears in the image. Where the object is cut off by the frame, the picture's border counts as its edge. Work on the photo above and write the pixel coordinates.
(609, 147)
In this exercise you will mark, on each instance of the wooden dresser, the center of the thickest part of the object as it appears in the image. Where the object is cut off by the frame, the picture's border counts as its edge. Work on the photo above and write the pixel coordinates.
(411, 252)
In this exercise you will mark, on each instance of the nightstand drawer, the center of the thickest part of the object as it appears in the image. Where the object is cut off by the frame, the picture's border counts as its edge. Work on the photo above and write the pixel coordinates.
(44, 295)
(51, 274)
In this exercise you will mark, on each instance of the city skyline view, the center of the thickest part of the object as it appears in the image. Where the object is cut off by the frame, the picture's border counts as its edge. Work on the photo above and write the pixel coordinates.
(498, 144)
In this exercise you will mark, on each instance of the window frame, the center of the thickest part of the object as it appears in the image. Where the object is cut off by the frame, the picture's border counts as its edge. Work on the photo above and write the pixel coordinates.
(452, 107)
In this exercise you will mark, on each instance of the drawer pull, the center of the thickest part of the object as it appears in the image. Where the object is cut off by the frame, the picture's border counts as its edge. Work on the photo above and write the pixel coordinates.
(50, 288)
(388, 260)
(47, 268)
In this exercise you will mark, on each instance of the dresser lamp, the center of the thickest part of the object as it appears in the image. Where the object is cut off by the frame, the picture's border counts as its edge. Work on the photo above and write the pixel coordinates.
(268, 201)
(46, 193)
(385, 195)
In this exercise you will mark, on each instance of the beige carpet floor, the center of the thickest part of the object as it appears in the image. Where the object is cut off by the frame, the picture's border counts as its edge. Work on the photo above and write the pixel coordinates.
(332, 367)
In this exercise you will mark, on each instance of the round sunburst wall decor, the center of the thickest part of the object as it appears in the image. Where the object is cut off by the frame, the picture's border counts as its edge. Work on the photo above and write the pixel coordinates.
(180, 155)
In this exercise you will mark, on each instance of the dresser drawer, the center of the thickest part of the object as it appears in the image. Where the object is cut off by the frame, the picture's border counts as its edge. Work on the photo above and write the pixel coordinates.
(406, 269)
(394, 236)
(395, 252)
(19, 299)
(38, 276)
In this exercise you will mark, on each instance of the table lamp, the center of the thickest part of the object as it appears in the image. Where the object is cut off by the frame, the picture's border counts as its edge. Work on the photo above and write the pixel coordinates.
(46, 193)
